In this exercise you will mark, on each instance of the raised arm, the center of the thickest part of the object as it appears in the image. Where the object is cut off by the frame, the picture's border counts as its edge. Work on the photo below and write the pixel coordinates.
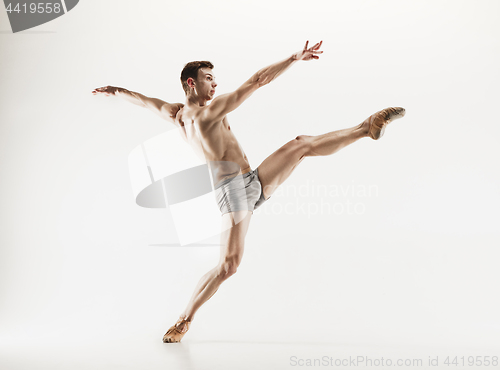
(226, 103)
(165, 110)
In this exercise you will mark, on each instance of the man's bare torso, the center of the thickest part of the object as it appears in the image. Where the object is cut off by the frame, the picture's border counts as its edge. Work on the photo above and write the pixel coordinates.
(215, 143)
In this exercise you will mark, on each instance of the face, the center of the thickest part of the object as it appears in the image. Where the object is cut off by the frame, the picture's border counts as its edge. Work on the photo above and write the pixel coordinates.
(205, 83)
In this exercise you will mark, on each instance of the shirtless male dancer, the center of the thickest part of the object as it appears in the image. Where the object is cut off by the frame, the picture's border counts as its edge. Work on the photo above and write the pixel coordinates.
(239, 189)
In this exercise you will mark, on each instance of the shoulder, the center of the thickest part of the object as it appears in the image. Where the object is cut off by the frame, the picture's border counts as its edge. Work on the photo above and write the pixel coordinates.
(214, 112)
(172, 108)
(169, 111)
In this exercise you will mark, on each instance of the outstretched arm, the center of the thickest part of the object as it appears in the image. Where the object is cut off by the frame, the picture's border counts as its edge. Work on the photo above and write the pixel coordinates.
(165, 110)
(224, 104)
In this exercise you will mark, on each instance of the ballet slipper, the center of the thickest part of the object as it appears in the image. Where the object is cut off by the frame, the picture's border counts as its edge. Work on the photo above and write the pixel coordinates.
(175, 334)
(377, 122)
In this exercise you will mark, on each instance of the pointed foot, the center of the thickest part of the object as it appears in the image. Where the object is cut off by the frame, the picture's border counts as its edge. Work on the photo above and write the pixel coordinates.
(376, 123)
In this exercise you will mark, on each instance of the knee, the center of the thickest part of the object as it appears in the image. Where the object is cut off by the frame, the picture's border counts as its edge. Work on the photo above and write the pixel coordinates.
(304, 145)
(227, 269)
(302, 138)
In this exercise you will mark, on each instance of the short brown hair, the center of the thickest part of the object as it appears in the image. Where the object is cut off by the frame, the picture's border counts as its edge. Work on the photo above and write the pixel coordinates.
(191, 70)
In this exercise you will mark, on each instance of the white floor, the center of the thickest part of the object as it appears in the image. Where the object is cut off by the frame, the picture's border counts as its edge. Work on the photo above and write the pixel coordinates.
(144, 350)
(146, 353)
(309, 312)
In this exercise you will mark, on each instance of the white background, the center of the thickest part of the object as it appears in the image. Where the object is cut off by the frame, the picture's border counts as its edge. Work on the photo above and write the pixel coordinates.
(81, 283)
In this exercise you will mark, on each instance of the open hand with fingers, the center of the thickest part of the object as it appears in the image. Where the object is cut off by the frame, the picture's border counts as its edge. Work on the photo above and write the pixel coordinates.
(309, 53)
(107, 90)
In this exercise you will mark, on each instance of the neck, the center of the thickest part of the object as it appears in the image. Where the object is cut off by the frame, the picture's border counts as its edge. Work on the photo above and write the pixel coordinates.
(192, 99)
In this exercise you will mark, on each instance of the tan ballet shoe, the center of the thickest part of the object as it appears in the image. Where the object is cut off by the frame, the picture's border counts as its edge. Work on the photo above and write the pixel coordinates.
(378, 121)
(175, 334)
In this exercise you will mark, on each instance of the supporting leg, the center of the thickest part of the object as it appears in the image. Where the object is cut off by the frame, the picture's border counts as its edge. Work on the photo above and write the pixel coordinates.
(232, 244)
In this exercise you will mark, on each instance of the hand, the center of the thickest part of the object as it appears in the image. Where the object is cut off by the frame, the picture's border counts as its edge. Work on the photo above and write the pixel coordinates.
(107, 90)
(311, 53)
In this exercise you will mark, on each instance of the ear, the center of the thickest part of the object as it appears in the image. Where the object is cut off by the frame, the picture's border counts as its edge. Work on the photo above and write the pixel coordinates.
(190, 82)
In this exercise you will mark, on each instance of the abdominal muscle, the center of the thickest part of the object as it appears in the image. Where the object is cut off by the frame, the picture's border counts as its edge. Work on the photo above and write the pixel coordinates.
(217, 146)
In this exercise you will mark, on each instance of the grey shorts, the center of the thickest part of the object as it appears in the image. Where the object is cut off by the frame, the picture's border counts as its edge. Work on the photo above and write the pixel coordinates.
(240, 193)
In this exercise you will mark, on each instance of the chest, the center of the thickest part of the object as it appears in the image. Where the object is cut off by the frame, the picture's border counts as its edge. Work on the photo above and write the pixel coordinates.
(225, 124)
(216, 134)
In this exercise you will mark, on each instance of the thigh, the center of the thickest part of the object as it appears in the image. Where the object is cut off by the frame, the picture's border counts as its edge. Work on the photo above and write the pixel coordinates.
(235, 227)
(276, 168)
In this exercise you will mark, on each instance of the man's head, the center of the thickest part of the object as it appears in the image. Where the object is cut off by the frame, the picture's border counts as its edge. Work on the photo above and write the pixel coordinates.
(199, 76)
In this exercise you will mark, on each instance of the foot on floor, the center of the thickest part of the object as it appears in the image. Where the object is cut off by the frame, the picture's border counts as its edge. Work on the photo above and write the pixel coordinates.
(176, 332)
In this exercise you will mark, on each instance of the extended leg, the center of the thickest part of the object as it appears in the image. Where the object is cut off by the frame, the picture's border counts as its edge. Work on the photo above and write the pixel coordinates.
(232, 245)
(276, 168)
